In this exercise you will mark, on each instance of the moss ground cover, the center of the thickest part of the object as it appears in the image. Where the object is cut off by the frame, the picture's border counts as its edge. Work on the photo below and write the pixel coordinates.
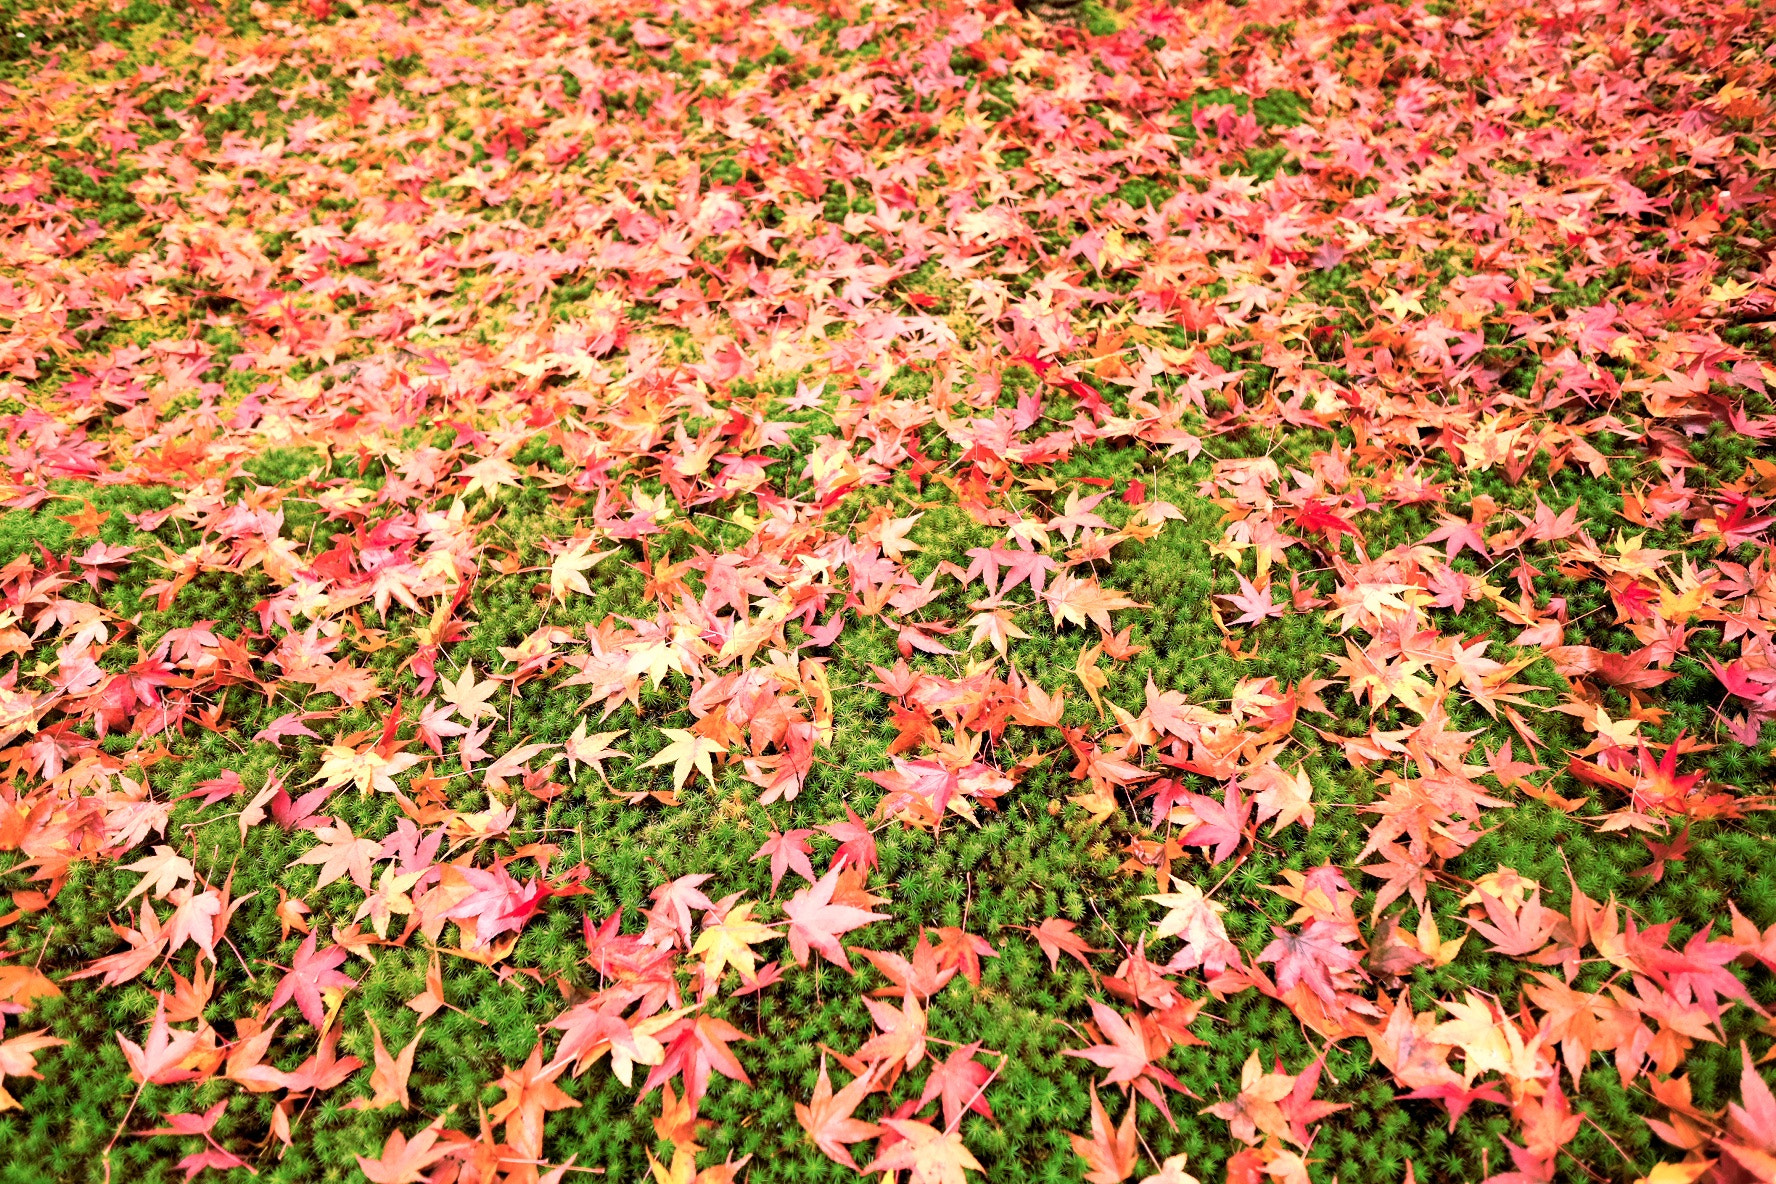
(773, 592)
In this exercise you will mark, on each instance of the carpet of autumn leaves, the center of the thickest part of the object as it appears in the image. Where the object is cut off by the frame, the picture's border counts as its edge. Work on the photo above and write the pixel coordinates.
(702, 592)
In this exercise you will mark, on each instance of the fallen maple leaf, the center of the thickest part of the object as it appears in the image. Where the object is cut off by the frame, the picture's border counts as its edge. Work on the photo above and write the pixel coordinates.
(827, 1116)
(309, 974)
(931, 1155)
(594, 750)
(405, 1162)
(816, 923)
(1197, 920)
(1056, 937)
(1255, 1108)
(568, 572)
(1109, 1153)
(24, 985)
(729, 941)
(388, 1079)
(18, 1058)
(786, 851)
(961, 1082)
(530, 1095)
(686, 750)
(160, 1059)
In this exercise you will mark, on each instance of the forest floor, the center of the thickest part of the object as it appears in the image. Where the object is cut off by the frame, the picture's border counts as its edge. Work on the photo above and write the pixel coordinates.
(783, 591)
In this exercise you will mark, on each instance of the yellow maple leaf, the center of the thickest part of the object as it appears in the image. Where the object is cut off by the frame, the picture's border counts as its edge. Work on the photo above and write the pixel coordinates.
(686, 750)
(568, 572)
(1085, 668)
(729, 943)
(1677, 1173)
(368, 770)
(1432, 945)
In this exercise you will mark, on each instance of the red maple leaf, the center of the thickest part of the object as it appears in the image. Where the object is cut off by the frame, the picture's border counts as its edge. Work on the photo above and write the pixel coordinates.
(1056, 937)
(308, 976)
